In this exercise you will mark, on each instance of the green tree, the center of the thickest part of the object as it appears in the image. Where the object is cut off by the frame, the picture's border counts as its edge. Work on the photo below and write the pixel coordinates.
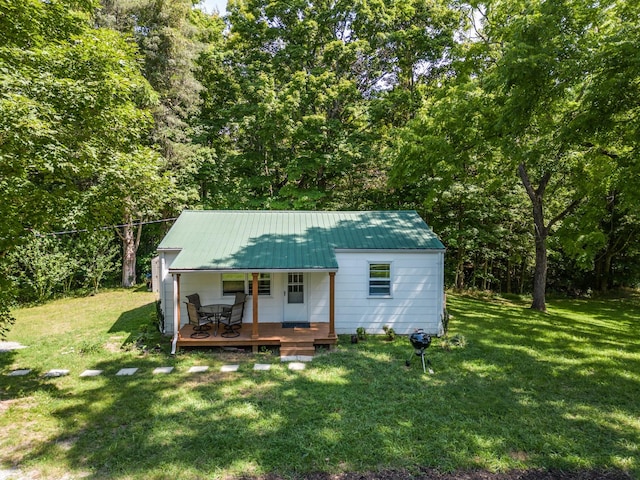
(72, 101)
(287, 103)
(167, 35)
(169, 39)
(607, 121)
(99, 256)
(541, 80)
(447, 169)
(42, 267)
(518, 96)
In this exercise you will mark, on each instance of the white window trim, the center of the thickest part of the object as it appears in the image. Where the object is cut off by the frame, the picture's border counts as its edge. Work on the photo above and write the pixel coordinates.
(368, 277)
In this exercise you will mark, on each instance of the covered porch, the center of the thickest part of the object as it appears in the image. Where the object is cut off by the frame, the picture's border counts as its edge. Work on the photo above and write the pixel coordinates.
(298, 341)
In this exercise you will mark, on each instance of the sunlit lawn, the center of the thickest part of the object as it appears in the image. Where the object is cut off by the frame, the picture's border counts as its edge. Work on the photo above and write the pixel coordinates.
(528, 390)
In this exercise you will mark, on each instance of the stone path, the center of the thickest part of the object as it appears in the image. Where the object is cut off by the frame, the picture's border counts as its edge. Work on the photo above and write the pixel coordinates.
(9, 346)
(130, 371)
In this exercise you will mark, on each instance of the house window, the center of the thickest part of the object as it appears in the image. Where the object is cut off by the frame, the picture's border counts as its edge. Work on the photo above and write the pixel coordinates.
(240, 282)
(264, 284)
(379, 279)
(232, 283)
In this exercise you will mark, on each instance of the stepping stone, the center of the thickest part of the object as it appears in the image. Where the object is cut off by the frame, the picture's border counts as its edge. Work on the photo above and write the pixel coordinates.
(198, 369)
(229, 368)
(162, 370)
(57, 372)
(19, 373)
(9, 346)
(126, 372)
(297, 366)
(296, 358)
(262, 366)
(91, 373)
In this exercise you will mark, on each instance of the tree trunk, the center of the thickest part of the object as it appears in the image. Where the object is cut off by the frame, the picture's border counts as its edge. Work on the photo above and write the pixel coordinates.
(523, 271)
(459, 281)
(606, 269)
(540, 273)
(130, 244)
(128, 256)
(541, 233)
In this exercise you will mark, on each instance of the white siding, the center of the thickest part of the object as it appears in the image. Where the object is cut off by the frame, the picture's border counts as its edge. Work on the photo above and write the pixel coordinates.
(416, 293)
(166, 289)
(318, 287)
(416, 300)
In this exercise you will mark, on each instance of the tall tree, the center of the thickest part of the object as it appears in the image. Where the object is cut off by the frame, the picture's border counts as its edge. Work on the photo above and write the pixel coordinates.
(298, 79)
(72, 101)
(543, 79)
(608, 123)
(166, 33)
(167, 37)
(447, 168)
(520, 90)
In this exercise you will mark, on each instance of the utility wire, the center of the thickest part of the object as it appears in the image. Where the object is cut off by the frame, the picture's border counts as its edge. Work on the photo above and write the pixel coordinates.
(84, 230)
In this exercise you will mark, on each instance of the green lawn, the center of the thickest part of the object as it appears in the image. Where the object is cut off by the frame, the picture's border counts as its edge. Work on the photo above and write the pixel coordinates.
(527, 390)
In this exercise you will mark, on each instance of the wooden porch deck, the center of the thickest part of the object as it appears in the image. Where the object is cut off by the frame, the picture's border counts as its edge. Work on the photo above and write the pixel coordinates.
(291, 341)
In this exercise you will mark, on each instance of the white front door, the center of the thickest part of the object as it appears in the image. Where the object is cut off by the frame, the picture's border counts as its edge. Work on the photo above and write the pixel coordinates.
(295, 304)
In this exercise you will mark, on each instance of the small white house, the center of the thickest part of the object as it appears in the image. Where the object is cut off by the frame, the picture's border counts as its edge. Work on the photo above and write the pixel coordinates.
(336, 271)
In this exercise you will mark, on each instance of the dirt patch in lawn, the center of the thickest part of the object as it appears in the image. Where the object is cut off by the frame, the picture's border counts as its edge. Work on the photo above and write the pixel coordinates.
(429, 474)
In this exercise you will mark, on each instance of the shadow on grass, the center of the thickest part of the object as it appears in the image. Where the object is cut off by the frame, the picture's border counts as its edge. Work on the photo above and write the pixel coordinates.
(528, 391)
(130, 322)
(17, 387)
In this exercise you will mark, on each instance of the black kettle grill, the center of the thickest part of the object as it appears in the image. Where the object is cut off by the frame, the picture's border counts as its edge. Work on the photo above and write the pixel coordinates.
(420, 342)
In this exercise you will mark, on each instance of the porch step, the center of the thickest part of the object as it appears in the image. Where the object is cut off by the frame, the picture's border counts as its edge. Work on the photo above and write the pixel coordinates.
(297, 349)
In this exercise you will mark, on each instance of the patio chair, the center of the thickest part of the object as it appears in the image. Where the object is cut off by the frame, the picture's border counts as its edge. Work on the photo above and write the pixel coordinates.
(232, 320)
(200, 323)
(195, 299)
(240, 297)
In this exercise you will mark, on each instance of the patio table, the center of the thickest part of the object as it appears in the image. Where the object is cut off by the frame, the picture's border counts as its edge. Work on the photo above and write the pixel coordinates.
(215, 311)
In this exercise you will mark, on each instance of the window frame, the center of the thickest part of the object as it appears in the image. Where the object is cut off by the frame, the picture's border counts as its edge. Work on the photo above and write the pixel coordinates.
(247, 284)
(231, 293)
(380, 280)
(266, 280)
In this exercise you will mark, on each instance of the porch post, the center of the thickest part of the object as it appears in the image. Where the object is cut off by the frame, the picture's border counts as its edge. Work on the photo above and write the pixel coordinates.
(332, 304)
(254, 327)
(176, 313)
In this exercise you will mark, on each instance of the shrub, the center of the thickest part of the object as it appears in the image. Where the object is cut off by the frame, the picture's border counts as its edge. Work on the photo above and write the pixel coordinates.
(361, 333)
(389, 332)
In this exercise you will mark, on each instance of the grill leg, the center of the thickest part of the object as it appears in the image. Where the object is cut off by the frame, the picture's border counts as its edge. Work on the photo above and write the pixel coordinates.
(420, 353)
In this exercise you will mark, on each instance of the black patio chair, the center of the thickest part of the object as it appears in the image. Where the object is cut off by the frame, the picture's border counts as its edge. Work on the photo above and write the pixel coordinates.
(195, 299)
(200, 323)
(239, 298)
(232, 320)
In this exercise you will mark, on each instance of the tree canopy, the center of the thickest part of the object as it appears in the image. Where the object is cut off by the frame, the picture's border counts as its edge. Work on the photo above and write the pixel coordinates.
(512, 127)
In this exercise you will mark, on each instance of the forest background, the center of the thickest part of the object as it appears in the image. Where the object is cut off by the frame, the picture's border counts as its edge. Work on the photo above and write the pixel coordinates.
(512, 127)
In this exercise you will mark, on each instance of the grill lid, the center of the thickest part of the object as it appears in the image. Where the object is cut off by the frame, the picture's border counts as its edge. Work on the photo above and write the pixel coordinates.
(419, 339)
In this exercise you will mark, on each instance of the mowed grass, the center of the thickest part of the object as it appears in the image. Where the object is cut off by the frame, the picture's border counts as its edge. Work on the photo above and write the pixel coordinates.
(527, 390)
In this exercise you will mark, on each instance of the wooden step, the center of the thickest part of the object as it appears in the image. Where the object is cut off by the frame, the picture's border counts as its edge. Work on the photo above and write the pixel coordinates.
(297, 352)
(294, 349)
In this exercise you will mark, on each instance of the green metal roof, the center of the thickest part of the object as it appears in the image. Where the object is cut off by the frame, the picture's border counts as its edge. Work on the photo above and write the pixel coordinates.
(288, 240)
